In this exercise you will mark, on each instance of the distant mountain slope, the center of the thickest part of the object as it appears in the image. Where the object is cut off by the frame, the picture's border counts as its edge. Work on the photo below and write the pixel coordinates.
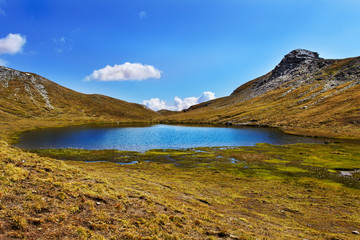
(166, 112)
(304, 94)
(27, 95)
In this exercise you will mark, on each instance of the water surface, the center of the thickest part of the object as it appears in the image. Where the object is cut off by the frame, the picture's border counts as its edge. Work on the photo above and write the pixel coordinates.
(142, 138)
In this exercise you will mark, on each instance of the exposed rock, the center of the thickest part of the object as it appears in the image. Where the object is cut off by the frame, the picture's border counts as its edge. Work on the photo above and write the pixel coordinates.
(293, 60)
(30, 82)
(301, 67)
(355, 232)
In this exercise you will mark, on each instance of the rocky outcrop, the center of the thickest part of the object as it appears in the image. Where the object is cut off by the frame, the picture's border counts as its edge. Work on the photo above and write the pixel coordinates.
(32, 84)
(292, 61)
(301, 67)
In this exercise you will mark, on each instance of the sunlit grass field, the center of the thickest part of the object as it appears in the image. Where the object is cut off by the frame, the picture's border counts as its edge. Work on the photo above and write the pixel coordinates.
(262, 192)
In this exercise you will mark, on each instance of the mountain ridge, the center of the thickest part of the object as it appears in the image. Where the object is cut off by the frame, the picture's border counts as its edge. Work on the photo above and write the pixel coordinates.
(303, 94)
(296, 69)
(28, 100)
(51, 98)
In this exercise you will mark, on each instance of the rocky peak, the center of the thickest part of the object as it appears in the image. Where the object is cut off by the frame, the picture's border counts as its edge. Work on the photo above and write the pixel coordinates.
(293, 60)
(302, 54)
(297, 68)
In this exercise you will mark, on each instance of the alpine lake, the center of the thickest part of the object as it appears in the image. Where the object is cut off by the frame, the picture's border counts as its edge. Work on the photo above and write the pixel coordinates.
(142, 137)
(196, 146)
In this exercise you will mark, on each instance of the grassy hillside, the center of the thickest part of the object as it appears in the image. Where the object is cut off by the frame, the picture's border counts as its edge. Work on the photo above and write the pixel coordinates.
(321, 102)
(165, 112)
(28, 100)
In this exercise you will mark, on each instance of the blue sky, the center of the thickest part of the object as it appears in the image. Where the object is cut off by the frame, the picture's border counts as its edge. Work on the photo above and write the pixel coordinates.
(182, 48)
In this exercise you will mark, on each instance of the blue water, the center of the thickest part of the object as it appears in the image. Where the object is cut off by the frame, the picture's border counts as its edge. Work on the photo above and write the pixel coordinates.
(142, 138)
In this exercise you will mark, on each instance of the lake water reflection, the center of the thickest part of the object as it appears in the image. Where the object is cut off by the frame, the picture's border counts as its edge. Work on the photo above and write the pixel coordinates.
(142, 138)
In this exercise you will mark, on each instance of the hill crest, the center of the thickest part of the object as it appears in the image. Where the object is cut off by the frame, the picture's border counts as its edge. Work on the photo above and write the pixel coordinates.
(29, 95)
(303, 94)
(302, 67)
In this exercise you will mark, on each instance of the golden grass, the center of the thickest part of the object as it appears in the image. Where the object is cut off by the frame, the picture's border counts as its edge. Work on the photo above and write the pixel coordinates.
(270, 192)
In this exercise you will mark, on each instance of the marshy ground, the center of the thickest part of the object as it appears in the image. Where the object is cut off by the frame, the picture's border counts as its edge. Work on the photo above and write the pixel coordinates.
(262, 192)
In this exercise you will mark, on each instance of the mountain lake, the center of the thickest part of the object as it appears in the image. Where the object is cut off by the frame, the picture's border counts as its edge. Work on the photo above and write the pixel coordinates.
(141, 137)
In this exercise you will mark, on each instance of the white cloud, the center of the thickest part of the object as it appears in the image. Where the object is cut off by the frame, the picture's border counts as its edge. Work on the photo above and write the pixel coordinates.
(206, 96)
(142, 14)
(12, 43)
(3, 62)
(179, 104)
(155, 104)
(125, 72)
